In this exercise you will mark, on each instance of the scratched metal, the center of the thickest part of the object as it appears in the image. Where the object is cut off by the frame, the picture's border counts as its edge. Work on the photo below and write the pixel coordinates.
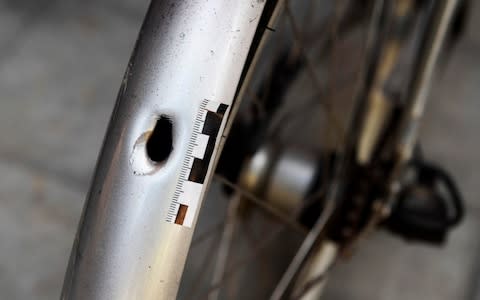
(187, 51)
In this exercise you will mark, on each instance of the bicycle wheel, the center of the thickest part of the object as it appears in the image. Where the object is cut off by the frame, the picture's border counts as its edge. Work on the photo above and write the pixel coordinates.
(179, 99)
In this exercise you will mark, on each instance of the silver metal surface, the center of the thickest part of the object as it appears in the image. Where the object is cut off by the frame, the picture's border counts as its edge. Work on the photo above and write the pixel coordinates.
(379, 106)
(187, 51)
(282, 177)
(256, 171)
(315, 268)
(306, 248)
(291, 179)
(423, 76)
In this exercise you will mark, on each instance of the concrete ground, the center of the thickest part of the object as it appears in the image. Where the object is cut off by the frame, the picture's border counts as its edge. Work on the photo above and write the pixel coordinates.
(61, 63)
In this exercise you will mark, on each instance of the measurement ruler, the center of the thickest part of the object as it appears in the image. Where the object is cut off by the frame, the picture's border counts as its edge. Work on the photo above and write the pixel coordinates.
(189, 188)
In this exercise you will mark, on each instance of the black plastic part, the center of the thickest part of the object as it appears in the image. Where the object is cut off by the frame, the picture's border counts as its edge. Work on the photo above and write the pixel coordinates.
(428, 208)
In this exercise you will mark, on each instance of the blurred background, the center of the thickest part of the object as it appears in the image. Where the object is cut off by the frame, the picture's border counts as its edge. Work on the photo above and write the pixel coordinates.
(61, 64)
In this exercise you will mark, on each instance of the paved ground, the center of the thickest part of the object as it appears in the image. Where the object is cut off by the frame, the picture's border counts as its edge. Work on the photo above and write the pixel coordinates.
(61, 63)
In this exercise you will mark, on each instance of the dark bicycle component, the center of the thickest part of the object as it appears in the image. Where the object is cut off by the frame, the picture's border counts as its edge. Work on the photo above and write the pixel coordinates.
(428, 206)
(246, 135)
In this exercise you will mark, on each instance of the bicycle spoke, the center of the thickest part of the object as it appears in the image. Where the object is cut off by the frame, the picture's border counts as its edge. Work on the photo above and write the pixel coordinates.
(204, 266)
(311, 239)
(319, 279)
(288, 116)
(225, 244)
(207, 233)
(257, 248)
(323, 94)
(310, 68)
(306, 247)
(258, 103)
(332, 74)
(262, 204)
(252, 242)
(316, 231)
(322, 38)
(308, 20)
(267, 241)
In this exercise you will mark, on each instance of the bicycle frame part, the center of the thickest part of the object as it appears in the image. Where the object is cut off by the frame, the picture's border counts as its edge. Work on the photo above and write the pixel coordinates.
(422, 81)
(159, 150)
(312, 279)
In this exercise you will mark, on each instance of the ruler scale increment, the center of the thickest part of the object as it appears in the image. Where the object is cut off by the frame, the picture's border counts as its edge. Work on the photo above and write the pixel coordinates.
(200, 148)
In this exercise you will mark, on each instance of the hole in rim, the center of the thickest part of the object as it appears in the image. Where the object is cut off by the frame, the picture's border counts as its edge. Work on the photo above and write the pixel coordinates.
(160, 142)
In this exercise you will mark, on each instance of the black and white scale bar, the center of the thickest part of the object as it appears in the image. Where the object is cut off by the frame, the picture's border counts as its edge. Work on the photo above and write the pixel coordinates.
(200, 148)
